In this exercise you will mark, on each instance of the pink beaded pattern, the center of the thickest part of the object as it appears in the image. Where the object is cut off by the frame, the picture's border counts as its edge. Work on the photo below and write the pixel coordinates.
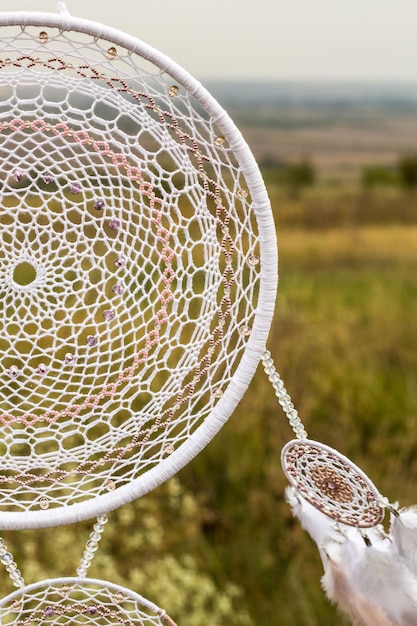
(166, 254)
(332, 484)
(86, 602)
(205, 264)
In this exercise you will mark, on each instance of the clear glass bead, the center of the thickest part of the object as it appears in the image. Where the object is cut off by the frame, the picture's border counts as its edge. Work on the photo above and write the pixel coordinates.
(114, 224)
(99, 204)
(6, 558)
(111, 53)
(44, 503)
(274, 378)
(75, 188)
(14, 371)
(118, 597)
(18, 175)
(98, 528)
(109, 315)
(48, 178)
(118, 289)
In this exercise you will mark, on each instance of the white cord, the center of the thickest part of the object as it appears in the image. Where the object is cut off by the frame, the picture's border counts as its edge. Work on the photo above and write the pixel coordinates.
(62, 9)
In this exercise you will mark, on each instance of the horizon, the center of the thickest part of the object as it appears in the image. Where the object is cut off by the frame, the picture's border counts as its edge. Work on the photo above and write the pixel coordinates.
(363, 40)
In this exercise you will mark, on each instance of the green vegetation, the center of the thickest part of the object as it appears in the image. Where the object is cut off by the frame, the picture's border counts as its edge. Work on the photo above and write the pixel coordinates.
(407, 170)
(294, 177)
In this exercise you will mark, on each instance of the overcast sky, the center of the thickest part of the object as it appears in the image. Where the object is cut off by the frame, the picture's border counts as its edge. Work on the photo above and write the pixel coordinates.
(266, 39)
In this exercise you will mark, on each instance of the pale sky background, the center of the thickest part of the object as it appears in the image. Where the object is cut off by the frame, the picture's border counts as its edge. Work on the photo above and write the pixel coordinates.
(266, 39)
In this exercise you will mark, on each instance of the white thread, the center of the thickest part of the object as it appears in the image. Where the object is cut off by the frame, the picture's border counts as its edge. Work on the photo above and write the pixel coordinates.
(62, 9)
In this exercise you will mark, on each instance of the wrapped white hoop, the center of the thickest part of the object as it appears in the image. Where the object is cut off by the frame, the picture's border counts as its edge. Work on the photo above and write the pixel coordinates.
(332, 483)
(138, 268)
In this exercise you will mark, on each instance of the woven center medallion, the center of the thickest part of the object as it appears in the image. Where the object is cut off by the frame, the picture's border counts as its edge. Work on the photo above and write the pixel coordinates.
(332, 483)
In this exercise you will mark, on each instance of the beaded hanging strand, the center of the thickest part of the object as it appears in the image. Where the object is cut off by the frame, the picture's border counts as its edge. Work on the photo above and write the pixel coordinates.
(91, 546)
(283, 396)
(6, 558)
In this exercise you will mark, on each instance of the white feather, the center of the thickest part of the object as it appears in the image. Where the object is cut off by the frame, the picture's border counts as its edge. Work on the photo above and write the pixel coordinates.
(320, 527)
(404, 533)
(383, 579)
(373, 581)
(352, 602)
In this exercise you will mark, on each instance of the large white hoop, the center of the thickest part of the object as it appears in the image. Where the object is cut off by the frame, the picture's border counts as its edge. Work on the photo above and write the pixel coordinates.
(232, 267)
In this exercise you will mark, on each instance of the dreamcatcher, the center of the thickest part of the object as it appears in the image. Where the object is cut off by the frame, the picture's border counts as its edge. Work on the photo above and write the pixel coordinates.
(138, 275)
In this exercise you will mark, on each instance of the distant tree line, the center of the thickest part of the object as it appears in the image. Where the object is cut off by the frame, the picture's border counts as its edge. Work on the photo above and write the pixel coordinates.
(300, 174)
(403, 173)
(295, 175)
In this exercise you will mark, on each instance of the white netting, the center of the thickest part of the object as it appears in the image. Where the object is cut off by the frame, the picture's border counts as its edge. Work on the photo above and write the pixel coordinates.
(137, 269)
(71, 601)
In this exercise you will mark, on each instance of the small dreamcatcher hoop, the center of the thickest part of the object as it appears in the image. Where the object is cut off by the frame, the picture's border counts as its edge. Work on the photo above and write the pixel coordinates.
(71, 600)
(332, 483)
(322, 476)
(76, 600)
(138, 268)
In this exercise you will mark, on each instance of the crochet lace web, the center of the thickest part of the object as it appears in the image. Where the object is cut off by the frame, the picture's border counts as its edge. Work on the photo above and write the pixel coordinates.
(67, 600)
(131, 269)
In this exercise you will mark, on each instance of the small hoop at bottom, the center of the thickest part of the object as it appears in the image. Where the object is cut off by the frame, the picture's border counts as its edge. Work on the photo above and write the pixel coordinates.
(88, 602)
(332, 484)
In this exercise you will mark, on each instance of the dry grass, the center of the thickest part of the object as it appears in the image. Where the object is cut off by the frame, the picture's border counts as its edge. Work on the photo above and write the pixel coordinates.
(368, 245)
